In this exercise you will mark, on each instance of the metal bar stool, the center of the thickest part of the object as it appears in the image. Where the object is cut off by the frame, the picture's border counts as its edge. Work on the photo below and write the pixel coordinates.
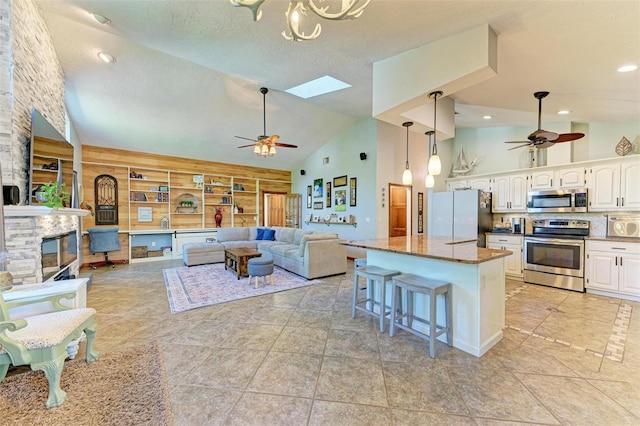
(416, 284)
(372, 274)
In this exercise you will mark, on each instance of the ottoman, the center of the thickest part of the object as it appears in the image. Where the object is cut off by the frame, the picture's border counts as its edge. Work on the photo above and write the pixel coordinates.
(202, 253)
(260, 267)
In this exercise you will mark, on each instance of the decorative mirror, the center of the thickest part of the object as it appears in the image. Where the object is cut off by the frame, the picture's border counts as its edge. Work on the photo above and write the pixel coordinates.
(106, 196)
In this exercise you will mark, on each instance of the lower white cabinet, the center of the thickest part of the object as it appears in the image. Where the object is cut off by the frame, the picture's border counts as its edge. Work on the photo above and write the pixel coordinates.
(613, 267)
(513, 263)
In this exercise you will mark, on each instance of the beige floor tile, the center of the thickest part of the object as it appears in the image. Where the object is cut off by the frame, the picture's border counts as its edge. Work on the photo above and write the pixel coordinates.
(498, 395)
(311, 318)
(576, 401)
(352, 344)
(338, 413)
(408, 417)
(251, 336)
(197, 405)
(526, 359)
(261, 410)
(623, 393)
(287, 374)
(228, 368)
(422, 387)
(591, 334)
(301, 340)
(358, 381)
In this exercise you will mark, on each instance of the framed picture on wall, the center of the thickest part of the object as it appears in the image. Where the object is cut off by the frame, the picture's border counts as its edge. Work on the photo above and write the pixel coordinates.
(317, 188)
(353, 183)
(318, 205)
(340, 181)
(420, 212)
(328, 194)
(309, 196)
(341, 200)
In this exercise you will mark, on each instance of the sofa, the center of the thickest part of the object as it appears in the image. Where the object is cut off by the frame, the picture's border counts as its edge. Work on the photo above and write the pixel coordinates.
(306, 253)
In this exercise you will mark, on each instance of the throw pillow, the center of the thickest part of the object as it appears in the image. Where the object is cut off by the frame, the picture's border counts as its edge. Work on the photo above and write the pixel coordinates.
(260, 235)
(269, 234)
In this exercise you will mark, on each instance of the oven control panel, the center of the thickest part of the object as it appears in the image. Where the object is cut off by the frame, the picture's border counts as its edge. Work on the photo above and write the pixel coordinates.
(561, 223)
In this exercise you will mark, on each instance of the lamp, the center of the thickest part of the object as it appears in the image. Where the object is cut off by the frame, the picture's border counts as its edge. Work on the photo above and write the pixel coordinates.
(407, 178)
(350, 9)
(429, 181)
(435, 165)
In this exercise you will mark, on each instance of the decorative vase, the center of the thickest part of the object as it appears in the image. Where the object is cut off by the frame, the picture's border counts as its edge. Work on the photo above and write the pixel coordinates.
(235, 209)
(218, 218)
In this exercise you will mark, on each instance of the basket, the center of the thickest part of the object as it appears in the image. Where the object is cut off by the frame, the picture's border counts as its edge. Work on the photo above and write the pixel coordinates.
(138, 252)
(154, 253)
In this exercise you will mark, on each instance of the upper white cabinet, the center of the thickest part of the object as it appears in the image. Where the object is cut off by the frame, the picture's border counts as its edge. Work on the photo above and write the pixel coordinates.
(509, 193)
(483, 184)
(458, 184)
(558, 179)
(614, 186)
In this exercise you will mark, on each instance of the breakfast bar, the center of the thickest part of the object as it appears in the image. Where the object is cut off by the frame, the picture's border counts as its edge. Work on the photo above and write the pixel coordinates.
(476, 275)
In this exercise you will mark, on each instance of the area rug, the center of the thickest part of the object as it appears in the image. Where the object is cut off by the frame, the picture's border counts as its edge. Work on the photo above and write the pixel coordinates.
(123, 387)
(191, 287)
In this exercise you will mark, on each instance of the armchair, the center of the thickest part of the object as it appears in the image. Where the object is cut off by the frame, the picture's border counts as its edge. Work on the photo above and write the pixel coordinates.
(104, 240)
(41, 340)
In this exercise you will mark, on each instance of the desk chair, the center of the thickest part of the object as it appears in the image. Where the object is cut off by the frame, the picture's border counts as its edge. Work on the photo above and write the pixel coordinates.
(104, 240)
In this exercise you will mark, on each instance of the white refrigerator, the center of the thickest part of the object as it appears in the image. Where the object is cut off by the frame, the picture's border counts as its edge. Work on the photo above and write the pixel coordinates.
(461, 214)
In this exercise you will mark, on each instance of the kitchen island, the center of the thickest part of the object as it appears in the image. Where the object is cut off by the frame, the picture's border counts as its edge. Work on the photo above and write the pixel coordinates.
(476, 275)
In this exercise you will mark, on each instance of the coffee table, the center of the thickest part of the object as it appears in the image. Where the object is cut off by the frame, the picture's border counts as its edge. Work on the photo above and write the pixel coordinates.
(237, 260)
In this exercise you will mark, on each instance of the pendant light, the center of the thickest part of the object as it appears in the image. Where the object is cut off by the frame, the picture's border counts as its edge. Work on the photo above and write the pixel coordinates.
(429, 181)
(407, 178)
(435, 165)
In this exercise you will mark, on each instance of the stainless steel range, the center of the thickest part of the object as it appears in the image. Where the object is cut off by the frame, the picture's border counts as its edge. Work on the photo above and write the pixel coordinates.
(554, 253)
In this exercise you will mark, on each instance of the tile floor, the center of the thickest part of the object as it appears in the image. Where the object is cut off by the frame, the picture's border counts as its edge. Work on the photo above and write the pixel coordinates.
(297, 358)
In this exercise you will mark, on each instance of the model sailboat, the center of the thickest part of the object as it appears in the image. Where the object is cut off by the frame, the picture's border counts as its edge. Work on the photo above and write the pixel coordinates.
(461, 166)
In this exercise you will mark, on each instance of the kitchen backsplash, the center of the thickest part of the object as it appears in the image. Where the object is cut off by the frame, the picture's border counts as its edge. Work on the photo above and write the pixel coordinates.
(598, 220)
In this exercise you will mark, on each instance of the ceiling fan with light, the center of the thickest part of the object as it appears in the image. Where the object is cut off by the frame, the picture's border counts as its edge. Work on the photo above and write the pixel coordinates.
(542, 138)
(265, 145)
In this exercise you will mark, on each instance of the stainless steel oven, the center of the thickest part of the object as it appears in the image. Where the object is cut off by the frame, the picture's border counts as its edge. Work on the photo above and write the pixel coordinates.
(554, 253)
(557, 201)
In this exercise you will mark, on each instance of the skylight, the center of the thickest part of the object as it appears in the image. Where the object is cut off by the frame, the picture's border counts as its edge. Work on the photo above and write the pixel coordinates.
(319, 86)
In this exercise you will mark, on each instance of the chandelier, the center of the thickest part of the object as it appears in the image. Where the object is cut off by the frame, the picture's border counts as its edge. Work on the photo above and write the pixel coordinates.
(350, 9)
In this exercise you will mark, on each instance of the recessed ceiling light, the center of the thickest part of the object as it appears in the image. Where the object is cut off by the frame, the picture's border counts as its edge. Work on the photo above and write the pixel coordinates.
(100, 19)
(487, 117)
(105, 57)
(563, 112)
(628, 68)
(319, 86)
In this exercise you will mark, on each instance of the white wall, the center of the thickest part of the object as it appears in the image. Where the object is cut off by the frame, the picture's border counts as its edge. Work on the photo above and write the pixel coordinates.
(487, 144)
(343, 152)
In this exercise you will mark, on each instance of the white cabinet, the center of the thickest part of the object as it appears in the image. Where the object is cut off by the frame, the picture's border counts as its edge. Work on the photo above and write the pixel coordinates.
(457, 184)
(558, 179)
(483, 184)
(614, 186)
(509, 193)
(513, 263)
(613, 267)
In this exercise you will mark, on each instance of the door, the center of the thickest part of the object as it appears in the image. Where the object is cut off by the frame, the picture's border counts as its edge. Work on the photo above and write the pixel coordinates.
(274, 209)
(630, 273)
(518, 193)
(399, 210)
(441, 215)
(629, 194)
(501, 194)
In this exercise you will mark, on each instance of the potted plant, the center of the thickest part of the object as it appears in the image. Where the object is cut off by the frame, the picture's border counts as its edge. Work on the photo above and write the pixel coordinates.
(53, 194)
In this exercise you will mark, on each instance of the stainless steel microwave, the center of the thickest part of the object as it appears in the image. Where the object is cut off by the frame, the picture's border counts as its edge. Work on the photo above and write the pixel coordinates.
(557, 201)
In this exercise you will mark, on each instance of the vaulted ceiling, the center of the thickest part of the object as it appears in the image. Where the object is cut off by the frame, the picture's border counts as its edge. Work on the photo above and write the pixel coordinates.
(187, 73)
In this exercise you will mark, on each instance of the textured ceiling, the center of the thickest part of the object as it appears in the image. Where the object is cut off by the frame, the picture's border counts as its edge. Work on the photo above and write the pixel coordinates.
(188, 73)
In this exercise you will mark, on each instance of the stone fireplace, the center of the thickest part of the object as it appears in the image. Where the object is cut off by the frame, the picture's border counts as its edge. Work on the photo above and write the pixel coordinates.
(25, 228)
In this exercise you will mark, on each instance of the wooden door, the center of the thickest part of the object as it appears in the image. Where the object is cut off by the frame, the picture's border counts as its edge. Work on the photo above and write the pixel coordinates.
(398, 211)
(275, 209)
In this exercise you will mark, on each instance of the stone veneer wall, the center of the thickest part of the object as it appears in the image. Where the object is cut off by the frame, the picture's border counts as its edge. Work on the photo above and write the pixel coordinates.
(24, 237)
(31, 76)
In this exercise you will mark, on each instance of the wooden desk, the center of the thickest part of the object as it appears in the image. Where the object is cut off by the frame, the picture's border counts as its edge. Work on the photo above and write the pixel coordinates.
(237, 259)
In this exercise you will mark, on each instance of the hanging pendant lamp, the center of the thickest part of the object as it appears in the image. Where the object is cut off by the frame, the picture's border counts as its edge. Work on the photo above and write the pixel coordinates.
(407, 178)
(435, 166)
(429, 181)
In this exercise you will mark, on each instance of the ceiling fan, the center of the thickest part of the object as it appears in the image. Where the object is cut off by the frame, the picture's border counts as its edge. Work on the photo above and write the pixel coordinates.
(265, 145)
(542, 138)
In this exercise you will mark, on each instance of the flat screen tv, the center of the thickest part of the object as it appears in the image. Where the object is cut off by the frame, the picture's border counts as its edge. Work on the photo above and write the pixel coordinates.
(51, 158)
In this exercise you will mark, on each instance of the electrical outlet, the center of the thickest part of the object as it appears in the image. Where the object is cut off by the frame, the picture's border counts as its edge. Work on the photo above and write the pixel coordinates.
(153, 243)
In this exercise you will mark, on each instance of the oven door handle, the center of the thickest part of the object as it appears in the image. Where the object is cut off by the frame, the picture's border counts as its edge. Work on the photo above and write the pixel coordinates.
(554, 240)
